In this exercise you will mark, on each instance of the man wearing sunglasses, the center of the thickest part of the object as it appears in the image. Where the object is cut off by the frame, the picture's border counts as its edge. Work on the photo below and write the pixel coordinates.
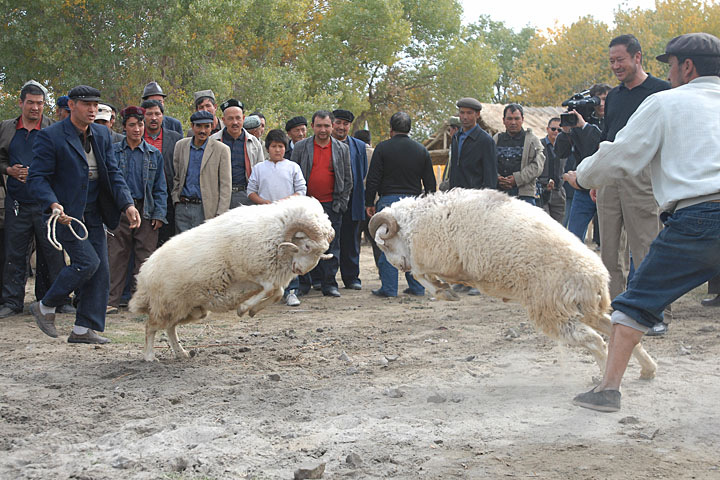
(552, 193)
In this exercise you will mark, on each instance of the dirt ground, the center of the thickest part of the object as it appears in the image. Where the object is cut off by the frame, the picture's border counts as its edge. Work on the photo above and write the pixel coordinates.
(402, 388)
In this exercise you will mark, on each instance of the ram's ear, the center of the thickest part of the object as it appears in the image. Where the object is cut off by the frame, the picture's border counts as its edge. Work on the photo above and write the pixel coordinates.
(380, 234)
(287, 248)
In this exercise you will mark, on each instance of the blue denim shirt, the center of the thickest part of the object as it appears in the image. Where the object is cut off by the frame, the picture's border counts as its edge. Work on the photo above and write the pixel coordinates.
(191, 189)
(147, 176)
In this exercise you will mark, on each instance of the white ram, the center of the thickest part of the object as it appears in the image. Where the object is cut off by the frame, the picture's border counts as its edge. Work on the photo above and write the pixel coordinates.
(509, 249)
(240, 260)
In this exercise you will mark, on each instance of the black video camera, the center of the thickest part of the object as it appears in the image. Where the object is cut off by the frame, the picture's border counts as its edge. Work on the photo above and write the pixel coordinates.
(582, 103)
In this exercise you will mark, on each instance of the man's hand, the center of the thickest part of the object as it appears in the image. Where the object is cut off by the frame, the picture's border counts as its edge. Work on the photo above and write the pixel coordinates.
(580, 119)
(18, 172)
(571, 178)
(550, 185)
(504, 183)
(370, 211)
(64, 219)
(133, 216)
(593, 194)
(156, 224)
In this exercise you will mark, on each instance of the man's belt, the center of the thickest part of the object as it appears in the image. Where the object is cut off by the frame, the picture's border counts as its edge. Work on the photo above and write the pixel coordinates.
(238, 188)
(193, 200)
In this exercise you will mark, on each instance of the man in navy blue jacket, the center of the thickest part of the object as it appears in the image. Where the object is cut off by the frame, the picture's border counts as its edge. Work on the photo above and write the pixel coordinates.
(355, 213)
(74, 172)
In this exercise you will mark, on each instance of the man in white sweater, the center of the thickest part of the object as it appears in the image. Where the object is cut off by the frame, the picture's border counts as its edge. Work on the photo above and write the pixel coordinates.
(671, 132)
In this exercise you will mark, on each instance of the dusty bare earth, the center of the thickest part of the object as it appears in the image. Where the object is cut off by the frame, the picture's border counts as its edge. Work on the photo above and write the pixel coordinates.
(413, 388)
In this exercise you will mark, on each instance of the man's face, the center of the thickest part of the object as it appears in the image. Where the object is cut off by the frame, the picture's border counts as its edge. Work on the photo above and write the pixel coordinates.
(322, 128)
(160, 98)
(233, 119)
(134, 129)
(452, 130)
(32, 107)
(513, 122)
(552, 130)
(261, 128)
(83, 112)
(153, 119)
(297, 133)
(276, 151)
(103, 122)
(624, 66)
(207, 105)
(340, 128)
(600, 109)
(468, 117)
(256, 132)
(111, 123)
(62, 114)
(201, 131)
(675, 75)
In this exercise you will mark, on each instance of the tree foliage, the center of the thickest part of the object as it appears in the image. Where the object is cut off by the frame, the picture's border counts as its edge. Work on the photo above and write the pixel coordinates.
(291, 57)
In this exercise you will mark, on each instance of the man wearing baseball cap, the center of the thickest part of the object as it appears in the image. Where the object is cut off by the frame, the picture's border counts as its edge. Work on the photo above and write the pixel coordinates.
(669, 133)
(74, 172)
(104, 117)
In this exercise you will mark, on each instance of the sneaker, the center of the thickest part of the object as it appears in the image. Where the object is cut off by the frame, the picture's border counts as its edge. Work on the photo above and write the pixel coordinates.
(110, 310)
(604, 401)
(459, 288)
(88, 337)
(292, 300)
(657, 330)
(46, 322)
(473, 292)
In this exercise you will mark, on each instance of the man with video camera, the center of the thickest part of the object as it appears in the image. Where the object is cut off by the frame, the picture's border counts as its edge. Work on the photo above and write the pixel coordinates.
(582, 127)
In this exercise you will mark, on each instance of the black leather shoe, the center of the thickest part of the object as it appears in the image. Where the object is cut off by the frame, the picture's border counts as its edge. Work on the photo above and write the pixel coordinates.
(380, 293)
(6, 311)
(317, 286)
(711, 302)
(657, 330)
(353, 286)
(409, 291)
(331, 292)
(67, 308)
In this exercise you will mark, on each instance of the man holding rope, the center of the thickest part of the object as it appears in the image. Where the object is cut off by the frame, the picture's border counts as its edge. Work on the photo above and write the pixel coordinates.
(74, 177)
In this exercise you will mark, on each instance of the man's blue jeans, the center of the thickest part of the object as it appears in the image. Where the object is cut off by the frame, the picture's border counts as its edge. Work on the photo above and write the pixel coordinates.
(513, 192)
(88, 273)
(388, 273)
(685, 254)
(582, 213)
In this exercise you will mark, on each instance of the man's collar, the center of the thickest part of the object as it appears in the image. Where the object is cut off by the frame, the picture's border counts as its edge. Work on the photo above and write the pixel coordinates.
(322, 146)
(201, 147)
(20, 124)
(154, 137)
(141, 146)
(226, 135)
(639, 85)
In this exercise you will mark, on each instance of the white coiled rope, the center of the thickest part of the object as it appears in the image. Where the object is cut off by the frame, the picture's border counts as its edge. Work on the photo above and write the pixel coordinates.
(52, 225)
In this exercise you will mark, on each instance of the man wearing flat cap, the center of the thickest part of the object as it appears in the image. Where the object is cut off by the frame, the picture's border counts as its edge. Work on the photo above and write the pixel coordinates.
(152, 91)
(74, 174)
(23, 216)
(296, 128)
(473, 162)
(355, 213)
(246, 150)
(202, 186)
(669, 134)
(205, 100)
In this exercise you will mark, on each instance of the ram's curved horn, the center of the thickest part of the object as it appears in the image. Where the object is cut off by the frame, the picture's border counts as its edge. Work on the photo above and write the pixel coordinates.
(310, 229)
(383, 218)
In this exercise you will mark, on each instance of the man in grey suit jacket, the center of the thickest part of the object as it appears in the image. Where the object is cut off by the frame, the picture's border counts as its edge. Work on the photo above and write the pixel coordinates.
(203, 175)
(325, 164)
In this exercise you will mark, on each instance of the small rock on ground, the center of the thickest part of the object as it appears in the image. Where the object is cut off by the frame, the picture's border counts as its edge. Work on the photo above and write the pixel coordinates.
(309, 473)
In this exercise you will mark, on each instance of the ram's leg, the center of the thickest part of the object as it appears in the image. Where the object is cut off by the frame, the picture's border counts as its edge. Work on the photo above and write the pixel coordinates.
(269, 300)
(149, 354)
(175, 342)
(262, 292)
(436, 287)
(575, 333)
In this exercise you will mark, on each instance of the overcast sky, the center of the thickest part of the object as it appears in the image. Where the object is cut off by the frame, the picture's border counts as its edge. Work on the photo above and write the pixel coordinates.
(519, 13)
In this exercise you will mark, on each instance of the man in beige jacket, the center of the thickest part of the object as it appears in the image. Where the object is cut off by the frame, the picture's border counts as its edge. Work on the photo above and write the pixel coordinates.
(203, 175)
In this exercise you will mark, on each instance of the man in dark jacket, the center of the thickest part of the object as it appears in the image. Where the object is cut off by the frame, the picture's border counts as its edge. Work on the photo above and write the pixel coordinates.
(473, 161)
(23, 217)
(355, 213)
(152, 91)
(74, 174)
(400, 167)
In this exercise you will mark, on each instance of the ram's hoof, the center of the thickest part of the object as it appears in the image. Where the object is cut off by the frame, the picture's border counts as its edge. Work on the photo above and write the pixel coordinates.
(241, 312)
(647, 374)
